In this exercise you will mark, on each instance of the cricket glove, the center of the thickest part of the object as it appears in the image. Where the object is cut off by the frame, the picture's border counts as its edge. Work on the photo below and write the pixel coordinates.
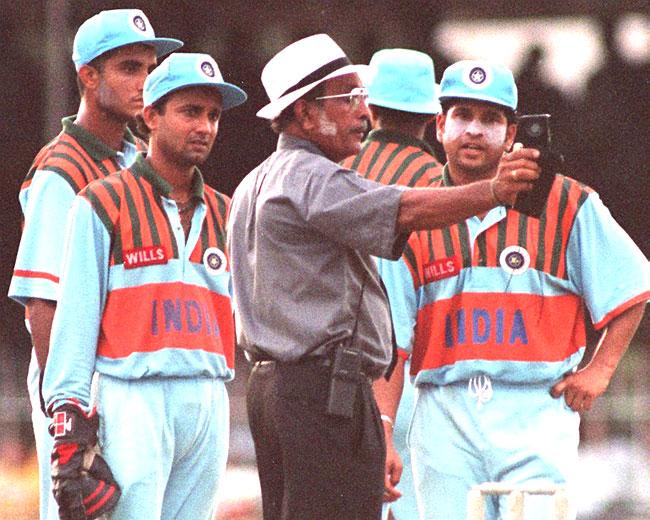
(82, 482)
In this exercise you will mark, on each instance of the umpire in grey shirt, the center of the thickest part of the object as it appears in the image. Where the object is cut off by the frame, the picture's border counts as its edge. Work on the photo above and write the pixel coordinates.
(310, 311)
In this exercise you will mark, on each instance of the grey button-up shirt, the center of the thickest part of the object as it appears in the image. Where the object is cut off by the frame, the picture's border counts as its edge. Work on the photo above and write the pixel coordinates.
(300, 234)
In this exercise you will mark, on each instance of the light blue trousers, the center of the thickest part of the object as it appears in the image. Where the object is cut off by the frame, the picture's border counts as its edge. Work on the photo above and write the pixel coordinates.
(48, 509)
(461, 437)
(166, 442)
(404, 508)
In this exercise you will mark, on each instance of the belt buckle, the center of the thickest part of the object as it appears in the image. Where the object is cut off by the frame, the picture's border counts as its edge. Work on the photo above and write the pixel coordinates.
(257, 357)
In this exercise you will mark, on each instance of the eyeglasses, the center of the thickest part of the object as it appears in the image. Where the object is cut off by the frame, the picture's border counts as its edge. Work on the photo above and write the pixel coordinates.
(354, 97)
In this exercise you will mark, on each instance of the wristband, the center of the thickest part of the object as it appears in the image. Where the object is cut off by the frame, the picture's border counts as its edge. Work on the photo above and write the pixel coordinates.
(494, 194)
(387, 419)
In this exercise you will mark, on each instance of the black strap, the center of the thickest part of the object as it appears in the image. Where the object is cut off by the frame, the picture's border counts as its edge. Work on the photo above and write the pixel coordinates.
(356, 318)
(319, 73)
(393, 339)
(40, 391)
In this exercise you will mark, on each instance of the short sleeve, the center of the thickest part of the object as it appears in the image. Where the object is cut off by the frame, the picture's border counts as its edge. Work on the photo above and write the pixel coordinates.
(45, 205)
(351, 210)
(402, 298)
(608, 269)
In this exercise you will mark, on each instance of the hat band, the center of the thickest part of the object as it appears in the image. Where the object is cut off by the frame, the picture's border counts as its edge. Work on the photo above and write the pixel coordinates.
(319, 73)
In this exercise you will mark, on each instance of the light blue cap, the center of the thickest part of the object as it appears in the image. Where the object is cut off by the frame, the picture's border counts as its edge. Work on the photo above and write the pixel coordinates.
(181, 70)
(480, 80)
(403, 79)
(109, 30)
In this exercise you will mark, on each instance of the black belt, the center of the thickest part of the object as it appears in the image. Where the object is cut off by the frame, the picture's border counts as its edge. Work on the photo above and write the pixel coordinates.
(326, 360)
(263, 357)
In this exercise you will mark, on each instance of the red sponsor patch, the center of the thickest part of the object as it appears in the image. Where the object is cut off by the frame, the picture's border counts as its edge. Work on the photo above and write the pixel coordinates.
(144, 256)
(443, 268)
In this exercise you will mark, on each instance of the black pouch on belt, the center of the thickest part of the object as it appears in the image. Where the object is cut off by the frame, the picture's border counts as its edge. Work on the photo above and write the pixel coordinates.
(344, 382)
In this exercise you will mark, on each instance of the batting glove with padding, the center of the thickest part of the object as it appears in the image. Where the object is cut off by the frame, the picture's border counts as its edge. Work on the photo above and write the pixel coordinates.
(82, 482)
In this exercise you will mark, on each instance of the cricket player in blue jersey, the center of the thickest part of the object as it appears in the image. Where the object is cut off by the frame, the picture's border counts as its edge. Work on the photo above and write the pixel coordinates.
(494, 310)
(113, 52)
(144, 302)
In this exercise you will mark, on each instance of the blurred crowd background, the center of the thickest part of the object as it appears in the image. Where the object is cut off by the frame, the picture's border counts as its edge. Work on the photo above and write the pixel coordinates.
(586, 62)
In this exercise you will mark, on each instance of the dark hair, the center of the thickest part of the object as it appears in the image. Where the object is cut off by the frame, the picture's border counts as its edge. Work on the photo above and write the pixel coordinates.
(280, 123)
(98, 64)
(510, 114)
(141, 128)
(400, 117)
(159, 106)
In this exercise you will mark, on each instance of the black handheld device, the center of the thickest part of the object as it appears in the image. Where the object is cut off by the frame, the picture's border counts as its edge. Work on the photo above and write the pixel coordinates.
(344, 382)
(346, 370)
(534, 131)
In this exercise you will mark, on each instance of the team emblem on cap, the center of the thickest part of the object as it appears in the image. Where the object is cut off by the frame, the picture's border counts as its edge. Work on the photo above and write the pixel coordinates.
(139, 23)
(215, 260)
(207, 69)
(477, 75)
(514, 260)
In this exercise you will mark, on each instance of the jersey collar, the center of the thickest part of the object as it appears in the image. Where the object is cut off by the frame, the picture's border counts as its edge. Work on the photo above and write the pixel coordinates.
(142, 168)
(393, 136)
(95, 148)
(492, 217)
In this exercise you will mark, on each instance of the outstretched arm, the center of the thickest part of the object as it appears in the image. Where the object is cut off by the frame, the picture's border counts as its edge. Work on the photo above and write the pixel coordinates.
(580, 389)
(432, 208)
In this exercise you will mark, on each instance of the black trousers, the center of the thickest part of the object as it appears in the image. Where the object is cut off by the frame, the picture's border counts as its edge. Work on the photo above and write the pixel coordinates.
(313, 466)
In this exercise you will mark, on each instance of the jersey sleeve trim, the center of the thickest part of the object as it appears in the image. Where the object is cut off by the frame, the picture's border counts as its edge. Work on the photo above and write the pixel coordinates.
(645, 296)
(36, 274)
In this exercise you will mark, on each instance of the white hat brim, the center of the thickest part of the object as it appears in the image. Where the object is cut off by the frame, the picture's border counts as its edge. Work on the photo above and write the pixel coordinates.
(275, 108)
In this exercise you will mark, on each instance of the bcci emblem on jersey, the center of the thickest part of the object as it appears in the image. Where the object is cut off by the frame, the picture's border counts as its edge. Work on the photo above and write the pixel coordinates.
(214, 260)
(514, 260)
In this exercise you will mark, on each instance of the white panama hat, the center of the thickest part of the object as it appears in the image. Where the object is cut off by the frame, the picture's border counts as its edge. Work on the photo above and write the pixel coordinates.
(301, 66)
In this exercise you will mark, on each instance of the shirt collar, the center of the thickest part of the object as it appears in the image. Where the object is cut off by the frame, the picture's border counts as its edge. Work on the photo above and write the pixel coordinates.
(393, 136)
(95, 148)
(291, 142)
(142, 168)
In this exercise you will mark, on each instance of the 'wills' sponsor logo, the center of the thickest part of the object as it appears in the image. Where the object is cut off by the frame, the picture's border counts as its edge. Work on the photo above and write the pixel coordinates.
(144, 256)
(443, 268)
